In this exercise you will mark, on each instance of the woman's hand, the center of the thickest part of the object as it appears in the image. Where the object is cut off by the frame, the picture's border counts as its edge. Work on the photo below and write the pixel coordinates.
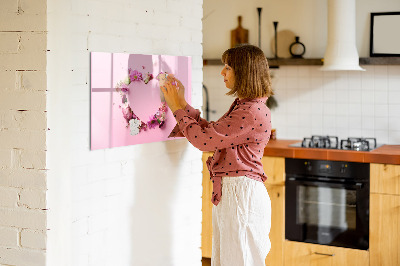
(181, 90)
(173, 94)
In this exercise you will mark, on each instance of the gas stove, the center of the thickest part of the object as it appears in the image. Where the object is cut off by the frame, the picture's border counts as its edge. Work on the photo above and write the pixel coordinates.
(332, 142)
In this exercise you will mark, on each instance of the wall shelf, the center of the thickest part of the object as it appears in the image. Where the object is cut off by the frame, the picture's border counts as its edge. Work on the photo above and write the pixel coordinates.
(380, 61)
(274, 63)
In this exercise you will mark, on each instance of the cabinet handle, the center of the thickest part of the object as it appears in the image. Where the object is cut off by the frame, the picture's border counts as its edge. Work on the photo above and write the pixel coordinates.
(324, 254)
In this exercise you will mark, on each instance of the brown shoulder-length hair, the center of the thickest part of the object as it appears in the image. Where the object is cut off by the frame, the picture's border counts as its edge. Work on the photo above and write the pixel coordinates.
(250, 66)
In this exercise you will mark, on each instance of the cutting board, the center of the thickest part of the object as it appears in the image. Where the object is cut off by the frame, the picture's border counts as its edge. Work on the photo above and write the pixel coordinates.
(239, 35)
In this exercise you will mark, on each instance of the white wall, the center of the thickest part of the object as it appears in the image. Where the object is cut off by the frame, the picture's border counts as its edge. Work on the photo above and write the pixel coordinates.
(135, 205)
(306, 19)
(344, 103)
(23, 133)
(313, 102)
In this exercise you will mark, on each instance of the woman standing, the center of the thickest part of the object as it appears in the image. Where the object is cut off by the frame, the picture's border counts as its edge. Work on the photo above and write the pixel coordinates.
(242, 209)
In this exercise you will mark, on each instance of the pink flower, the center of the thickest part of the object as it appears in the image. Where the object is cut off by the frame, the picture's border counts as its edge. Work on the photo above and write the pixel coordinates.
(164, 107)
(152, 122)
(135, 75)
(127, 113)
(124, 87)
(147, 78)
(143, 127)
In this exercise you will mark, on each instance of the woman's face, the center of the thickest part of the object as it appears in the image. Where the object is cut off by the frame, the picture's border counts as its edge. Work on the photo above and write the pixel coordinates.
(229, 76)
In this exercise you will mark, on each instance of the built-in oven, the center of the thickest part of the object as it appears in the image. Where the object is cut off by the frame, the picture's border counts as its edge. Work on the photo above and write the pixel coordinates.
(327, 202)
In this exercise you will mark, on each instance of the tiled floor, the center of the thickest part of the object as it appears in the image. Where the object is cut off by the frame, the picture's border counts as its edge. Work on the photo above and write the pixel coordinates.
(206, 261)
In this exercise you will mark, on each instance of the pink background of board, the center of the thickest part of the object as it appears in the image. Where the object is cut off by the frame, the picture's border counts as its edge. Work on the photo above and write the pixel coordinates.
(108, 126)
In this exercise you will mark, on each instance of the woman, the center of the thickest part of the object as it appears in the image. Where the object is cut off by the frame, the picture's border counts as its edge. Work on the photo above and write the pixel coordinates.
(242, 208)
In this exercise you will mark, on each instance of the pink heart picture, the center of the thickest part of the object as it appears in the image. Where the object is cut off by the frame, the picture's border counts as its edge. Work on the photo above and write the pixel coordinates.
(127, 106)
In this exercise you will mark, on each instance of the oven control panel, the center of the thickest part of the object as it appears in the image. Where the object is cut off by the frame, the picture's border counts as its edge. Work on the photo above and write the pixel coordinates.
(338, 169)
(325, 167)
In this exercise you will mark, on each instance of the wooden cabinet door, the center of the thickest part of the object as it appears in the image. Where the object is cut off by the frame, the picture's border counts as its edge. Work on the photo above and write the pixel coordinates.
(304, 254)
(385, 178)
(384, 236)
(277, 233)
(274, 168)
(206, 226)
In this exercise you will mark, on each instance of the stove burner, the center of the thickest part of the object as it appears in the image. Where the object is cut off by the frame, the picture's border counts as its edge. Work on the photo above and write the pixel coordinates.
(332, 142)
(358, 144)
(328, 142)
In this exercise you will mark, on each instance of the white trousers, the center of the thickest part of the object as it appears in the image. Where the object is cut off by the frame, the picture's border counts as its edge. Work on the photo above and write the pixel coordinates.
(241, 223)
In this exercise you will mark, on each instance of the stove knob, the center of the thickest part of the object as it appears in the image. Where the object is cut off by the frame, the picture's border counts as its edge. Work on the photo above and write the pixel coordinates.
(308, 166)
(343, 168)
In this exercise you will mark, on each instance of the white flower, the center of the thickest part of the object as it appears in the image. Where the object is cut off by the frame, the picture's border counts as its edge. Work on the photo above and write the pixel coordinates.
(134, 126)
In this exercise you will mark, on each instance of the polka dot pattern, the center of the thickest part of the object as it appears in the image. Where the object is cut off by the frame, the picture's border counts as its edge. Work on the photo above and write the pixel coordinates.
(238, 139)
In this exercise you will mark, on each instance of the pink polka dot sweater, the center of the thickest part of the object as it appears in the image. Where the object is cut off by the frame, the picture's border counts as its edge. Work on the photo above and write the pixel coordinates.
(238, 139)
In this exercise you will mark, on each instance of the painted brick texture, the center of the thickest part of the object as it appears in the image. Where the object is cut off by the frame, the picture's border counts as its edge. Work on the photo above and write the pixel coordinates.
(113, 206)
(33, 239)
(9, 237)
(23, 126)
(135, 205)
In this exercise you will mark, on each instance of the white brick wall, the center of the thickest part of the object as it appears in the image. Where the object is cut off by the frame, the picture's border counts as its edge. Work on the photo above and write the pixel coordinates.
(135, 205)
(33, 239)
(11, 256)
(8, 197)
(9, 237)
(23, 128)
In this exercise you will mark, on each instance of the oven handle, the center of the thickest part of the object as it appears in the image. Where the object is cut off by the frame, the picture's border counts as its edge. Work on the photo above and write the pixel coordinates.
(357, 185)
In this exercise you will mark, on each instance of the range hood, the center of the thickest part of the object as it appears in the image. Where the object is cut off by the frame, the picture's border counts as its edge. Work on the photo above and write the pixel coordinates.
(341, 51)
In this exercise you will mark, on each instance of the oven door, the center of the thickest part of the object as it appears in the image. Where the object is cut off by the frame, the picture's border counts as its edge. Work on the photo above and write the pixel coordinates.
(327, 213)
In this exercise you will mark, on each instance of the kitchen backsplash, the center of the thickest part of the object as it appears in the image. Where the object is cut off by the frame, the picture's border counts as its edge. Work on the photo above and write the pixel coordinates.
(313, 102)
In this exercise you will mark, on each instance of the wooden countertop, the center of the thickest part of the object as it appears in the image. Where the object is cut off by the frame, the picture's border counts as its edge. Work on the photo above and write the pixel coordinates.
(389, 154)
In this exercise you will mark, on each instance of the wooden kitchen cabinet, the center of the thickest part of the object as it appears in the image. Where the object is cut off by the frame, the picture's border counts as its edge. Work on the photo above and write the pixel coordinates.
(384, 215)
(206, 225)
(385, 178)
(384, 236)
(305, 254)
(277, 233)
(274, 168)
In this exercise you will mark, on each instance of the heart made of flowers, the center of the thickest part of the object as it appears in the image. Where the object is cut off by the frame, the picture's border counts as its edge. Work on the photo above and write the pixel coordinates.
(135, 124)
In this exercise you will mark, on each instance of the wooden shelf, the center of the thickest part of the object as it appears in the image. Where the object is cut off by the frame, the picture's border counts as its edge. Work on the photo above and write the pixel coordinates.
(273, 63)
(380, 61)
(212, 62)
(295, 62)
(276, 62)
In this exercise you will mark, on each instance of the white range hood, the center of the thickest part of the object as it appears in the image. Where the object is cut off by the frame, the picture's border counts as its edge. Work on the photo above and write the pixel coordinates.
(341, 51)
